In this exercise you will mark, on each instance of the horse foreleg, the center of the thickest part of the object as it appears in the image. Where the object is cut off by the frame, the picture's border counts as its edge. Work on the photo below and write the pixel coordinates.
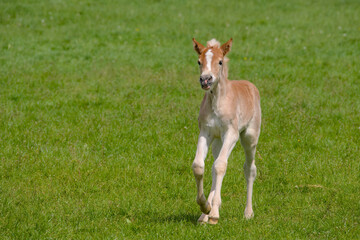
(219, 168)
(198, 167)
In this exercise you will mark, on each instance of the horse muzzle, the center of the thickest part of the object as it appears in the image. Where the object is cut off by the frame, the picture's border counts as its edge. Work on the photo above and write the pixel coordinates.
(206, 81)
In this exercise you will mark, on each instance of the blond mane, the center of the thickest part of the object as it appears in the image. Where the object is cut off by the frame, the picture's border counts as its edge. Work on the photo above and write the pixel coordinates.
(213, 43)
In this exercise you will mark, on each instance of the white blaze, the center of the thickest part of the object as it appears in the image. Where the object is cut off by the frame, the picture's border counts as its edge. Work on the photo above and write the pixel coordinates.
(209, 56)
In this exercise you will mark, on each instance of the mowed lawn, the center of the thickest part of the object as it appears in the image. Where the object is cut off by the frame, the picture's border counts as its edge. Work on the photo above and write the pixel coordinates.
(98, 118)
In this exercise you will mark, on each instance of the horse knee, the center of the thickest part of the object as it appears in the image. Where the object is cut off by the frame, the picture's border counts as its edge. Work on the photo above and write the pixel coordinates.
(220, 167)
(198, 169)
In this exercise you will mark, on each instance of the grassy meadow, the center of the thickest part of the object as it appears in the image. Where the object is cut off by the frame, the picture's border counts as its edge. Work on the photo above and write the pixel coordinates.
(98, 118)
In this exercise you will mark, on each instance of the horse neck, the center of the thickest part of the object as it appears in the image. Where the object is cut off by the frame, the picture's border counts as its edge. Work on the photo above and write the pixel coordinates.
(222, 87)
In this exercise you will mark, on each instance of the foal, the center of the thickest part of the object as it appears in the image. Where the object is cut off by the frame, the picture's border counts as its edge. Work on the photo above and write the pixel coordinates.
(229, 110)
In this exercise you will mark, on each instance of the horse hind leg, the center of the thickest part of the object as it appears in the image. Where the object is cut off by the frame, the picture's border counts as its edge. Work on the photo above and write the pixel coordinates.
(249, 139)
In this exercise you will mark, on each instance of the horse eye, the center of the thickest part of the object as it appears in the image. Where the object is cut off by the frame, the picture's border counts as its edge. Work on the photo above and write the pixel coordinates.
(199, 62)
(220, 63)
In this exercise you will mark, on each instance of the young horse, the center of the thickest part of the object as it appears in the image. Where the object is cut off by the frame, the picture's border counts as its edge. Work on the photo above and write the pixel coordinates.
(228, 110)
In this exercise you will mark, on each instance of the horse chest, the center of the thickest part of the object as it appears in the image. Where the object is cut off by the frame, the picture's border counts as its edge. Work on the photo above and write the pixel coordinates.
(214, 124)
(213, 121)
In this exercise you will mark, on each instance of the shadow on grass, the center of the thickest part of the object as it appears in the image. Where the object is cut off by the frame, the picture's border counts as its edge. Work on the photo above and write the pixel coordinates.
(157, 217)
(183, 217)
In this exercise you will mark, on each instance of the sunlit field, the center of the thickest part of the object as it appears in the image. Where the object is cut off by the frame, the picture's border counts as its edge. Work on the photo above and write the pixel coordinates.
(98, 118)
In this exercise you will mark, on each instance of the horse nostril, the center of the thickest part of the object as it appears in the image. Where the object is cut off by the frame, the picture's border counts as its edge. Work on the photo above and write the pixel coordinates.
(205, 78)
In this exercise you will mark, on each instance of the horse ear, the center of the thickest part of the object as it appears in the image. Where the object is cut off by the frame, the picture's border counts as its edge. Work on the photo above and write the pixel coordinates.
(226, 47)
(198, 46)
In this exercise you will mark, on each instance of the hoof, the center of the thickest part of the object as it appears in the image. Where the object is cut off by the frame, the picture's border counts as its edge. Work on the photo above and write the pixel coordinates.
(213, 221)
(249, 215)
(206, 209)
(203, 219)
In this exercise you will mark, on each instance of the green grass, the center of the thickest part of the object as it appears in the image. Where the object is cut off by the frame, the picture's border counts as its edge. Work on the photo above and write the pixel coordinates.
(98, 118)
